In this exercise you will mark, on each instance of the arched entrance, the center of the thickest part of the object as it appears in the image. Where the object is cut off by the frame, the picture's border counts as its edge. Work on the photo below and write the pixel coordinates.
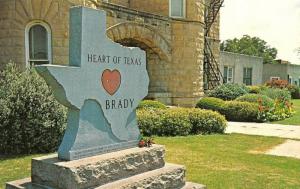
(157, 50)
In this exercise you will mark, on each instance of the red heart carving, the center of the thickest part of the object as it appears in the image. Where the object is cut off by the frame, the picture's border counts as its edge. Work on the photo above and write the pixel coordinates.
(111, 81)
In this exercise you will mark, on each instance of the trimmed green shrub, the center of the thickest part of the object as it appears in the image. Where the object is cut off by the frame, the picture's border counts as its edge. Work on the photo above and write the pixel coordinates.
(31, 121)
(175, 122)
(179, 122)
(240, 111)
(229, 91)
(254, 89)
(207, 122)
(257, 98)
(149, 121)
(294, 90)
(151, 104)
(276, 93)
(211, 103)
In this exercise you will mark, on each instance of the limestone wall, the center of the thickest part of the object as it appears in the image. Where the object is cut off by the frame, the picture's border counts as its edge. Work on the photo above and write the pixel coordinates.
(174, 46)
(175, 59)
(187, 63)
(124, 3)
(160, 7)
(17, 14)
(215, 29)
(7, 47)
(194, 8)
(151, 33)
(214, 32)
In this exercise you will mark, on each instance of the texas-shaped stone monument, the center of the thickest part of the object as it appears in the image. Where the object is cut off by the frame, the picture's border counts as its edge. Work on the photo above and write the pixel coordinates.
(101, 88)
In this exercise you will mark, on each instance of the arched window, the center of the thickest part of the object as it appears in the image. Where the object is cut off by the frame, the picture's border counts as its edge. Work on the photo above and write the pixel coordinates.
(38, 44)
(177, 8)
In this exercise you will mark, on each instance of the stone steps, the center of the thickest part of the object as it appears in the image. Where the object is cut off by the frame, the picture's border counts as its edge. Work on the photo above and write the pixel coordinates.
(26, 184)
(96, 170)
(142, 168)
(170, 176)
(19, 184)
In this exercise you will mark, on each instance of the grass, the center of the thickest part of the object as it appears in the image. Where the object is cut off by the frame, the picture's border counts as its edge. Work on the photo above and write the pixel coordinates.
(224, 162)
(295, 120)
(13, 168)
(218, 161)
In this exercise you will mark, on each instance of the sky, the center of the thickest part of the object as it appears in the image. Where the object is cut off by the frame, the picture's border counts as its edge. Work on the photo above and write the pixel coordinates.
(275, 21)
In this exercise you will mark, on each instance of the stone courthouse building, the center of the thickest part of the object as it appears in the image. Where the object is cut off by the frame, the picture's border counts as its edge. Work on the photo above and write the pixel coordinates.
(172, 32)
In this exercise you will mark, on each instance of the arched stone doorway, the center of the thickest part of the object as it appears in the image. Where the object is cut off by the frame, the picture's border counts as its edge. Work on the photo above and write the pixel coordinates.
(158, 55)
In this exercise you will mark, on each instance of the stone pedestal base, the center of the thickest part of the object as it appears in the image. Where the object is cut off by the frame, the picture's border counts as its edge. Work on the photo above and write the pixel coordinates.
(126, 169)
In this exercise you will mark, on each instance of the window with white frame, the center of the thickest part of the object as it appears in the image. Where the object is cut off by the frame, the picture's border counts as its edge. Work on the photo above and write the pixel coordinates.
(38, 44)
(274, 78)
(290, 79)
(177, 8)
(228, 74)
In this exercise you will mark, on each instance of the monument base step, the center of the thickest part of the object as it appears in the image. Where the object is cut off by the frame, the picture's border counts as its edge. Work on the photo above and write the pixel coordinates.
(170, 176)
(142, 168)
(97, 170)
(155, 184)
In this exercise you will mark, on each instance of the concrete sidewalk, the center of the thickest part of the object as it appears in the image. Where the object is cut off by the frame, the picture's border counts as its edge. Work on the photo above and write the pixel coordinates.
(290, 148)
(264, 129)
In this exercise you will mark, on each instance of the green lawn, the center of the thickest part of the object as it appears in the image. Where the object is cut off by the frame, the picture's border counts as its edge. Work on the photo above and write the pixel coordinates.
(218, 161)
(295, 120)
(12, 168)
(224, 162)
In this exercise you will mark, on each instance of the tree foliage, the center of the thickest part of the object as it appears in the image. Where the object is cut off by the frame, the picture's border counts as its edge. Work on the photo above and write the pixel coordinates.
(253, 46)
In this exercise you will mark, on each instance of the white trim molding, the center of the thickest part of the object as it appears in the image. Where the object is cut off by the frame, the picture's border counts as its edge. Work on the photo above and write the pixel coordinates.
(49, 40)
(274, 78)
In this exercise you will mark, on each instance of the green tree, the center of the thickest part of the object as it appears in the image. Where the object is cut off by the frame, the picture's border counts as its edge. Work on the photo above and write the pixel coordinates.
(31, 120)
(253, 46)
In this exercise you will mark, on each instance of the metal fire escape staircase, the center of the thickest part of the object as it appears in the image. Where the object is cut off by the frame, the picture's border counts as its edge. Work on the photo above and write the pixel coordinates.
(212, 74)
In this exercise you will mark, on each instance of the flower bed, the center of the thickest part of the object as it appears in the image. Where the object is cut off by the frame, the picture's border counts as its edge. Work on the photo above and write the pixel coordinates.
(259, 104)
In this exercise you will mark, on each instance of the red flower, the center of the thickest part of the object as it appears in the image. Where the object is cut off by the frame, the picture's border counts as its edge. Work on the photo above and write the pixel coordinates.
(142, 143)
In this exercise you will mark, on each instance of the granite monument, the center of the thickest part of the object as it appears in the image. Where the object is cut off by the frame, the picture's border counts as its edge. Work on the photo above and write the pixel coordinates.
(101, 87)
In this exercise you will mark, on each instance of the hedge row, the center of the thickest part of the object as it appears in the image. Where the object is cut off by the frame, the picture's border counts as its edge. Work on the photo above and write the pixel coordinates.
(229, 91)
(151, 104)
(179, 122)
(252, 107)
(232, 110)
(257, 98)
